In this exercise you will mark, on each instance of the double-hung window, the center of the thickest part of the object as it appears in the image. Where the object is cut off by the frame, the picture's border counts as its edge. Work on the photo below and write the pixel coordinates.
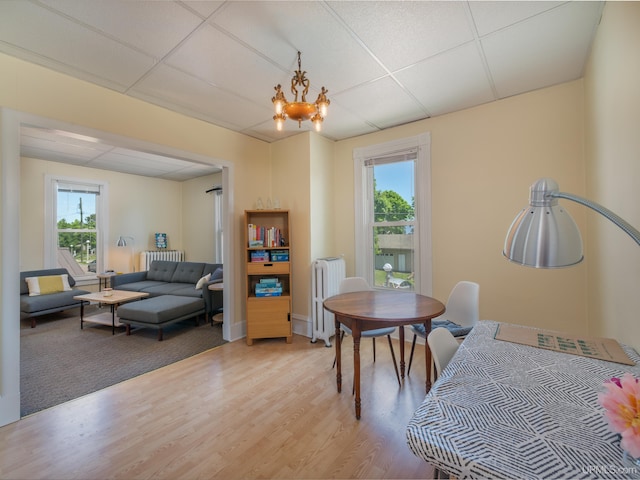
(74, 230)
(393, 214)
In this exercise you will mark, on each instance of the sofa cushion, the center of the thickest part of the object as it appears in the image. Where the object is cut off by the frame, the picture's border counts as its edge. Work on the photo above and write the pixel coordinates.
(48, 284)
(162, 271)
(39, 303)
(187, 272)
(188, 291)
(172, 288)
(141, 286)
(159, 310)
(24, 289)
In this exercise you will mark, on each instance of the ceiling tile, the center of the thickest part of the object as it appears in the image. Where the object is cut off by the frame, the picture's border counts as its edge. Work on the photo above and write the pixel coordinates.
(492, 16)
(382, 103)
(447, 82)
(545, 50)
(153, 27)
(189, 94)
(50, 35)
(403, 33)
(221, 61)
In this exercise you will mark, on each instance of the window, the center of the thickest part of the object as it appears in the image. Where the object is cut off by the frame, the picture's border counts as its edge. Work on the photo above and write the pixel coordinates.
(393, 214)
(74, 226)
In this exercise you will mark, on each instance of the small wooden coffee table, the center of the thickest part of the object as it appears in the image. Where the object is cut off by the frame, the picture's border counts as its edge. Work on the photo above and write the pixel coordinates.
(117, 297)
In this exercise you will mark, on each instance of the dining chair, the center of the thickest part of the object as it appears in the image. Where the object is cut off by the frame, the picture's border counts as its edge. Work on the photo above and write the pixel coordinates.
(443, 346)
(461, 314)
(359, 284)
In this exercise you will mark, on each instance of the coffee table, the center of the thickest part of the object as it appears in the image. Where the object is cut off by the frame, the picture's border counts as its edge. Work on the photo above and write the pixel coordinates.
(117, 297)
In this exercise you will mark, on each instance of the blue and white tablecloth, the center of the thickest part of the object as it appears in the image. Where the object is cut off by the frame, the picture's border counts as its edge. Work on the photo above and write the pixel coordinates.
(505, 410)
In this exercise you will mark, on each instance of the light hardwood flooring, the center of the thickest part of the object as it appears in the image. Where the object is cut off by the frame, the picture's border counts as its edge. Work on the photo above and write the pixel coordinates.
(235, 412)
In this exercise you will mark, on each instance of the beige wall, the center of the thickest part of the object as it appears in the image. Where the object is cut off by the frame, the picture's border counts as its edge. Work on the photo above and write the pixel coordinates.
(483, 161)
(613, 173)
(198, 218)
(290, 184)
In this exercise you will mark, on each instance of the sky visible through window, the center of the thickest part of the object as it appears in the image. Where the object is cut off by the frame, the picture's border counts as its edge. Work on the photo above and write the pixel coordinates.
(397, 177)
(69, 205)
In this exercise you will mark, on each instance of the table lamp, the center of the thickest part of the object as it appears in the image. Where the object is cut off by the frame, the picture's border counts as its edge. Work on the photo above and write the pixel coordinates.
(544, 235)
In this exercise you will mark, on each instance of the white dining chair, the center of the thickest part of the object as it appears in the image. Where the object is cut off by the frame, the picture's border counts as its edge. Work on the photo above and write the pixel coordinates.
(359, 284)
(461, 314)
(443, 346)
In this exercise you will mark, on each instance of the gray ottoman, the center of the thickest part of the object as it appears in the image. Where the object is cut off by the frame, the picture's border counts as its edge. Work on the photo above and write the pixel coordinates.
(156, 312)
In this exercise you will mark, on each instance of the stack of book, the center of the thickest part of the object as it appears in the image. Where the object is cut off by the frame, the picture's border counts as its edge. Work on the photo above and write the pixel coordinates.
(279, 255)
(259, 256)
(264, 236)
(268, 287)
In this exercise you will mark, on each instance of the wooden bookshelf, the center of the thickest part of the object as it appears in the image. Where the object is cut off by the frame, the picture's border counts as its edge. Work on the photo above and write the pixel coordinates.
(268, 274)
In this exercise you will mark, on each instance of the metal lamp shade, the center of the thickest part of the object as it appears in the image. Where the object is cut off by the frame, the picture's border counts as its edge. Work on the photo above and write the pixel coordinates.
(543, 235)
(121, 242)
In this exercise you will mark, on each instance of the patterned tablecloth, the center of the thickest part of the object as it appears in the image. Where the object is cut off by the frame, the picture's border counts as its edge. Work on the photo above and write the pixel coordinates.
(505, 410)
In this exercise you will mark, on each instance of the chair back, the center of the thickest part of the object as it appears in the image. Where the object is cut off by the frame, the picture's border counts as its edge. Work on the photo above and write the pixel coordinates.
(443, 347)
(353, 284)
(463, 304)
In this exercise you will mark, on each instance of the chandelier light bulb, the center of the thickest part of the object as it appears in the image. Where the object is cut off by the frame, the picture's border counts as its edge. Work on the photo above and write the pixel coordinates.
(279, 122)
(317, 122)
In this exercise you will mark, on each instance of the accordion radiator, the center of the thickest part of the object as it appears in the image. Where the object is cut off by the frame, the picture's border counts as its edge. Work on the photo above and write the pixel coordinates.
(149, 256)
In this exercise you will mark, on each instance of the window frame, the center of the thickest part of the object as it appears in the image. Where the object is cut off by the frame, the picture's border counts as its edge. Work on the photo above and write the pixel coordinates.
(50, 222)
(363, 206)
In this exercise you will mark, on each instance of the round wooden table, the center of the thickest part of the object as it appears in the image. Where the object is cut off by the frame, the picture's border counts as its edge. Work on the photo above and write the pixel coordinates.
(373, 309)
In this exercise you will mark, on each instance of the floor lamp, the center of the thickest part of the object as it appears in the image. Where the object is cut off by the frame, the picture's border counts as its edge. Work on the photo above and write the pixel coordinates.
(122, 242)
(544, 235)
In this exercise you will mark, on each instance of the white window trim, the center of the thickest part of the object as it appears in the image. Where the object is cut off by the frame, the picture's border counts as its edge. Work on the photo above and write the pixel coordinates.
(422, 233)
(50, 220)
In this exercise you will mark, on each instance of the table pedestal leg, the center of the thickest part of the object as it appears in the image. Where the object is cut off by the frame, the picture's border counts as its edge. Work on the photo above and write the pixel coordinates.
(338, 356)
(427, 356)
(401, 351)
(356, 366)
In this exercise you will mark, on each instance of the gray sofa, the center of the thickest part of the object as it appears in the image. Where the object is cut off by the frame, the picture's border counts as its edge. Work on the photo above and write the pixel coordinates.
(175, 278)
(32, 307)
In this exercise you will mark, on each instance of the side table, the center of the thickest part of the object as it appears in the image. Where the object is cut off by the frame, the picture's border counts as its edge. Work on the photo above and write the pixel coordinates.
(105, 278)
(216, 287)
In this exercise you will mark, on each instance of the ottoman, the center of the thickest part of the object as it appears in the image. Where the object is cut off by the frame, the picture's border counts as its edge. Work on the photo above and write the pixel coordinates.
(156, 312)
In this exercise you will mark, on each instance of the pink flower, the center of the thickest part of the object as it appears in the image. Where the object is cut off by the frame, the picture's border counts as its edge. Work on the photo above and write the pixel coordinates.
(621, 402)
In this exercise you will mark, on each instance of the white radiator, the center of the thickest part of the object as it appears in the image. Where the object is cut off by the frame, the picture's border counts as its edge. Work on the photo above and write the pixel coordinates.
(150, 255)
(327, 273)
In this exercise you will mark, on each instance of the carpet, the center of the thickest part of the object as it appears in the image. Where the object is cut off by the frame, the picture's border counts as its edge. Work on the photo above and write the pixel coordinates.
(60, 362)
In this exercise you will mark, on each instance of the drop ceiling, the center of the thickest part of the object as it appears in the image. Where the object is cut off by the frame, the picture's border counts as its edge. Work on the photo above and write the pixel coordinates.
(385, 63)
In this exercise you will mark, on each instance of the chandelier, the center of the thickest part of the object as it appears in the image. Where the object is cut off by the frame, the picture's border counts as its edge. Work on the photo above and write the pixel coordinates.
(300, 110)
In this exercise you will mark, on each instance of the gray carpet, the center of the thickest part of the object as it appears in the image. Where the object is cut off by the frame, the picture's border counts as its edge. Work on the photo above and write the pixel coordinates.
(60, 362)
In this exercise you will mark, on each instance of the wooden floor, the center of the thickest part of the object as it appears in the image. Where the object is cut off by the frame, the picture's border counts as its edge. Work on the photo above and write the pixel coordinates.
(236, 412)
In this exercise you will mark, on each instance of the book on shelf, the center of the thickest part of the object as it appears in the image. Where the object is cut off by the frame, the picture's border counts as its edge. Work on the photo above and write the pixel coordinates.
(268, 287)
(279, 255)
(264, 236)
(259, 256)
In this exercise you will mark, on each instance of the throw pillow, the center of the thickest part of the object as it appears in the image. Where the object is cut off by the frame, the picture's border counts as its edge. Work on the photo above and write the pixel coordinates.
(202, 281)
(217, 275)
(47, 284)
